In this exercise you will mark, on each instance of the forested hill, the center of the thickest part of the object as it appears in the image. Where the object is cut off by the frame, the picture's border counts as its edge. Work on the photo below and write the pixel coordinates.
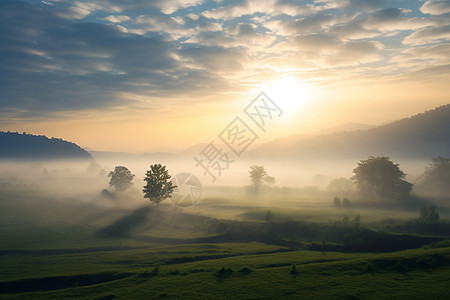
(15, 145)
(422, 136)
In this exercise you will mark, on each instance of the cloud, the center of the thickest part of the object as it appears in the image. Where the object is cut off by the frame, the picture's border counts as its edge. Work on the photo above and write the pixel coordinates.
(175, 26)
(247, 7)
(244, 35)
(424, 56)
(210, 26)
(96, 55)
(364, 4)
(351, 5)
(390, 19)
(213, 58)
(308, 24)
(117, 19)
(171, 6)
(79, 10)
(353, 29)
(436, 7)
(269, 7)
(50, 64)
(326, 51)
(428, 35)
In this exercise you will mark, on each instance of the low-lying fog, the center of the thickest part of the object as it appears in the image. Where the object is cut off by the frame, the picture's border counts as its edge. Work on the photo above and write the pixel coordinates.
(82, 177)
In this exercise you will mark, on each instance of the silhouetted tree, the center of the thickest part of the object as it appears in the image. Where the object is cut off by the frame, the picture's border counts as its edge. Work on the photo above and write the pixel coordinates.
(345, 202)
(107, 194)
(341, 186)
(379, 176)
(436, 178)
(356, 221)
(337, 202)
(93, 168)
(258, 176)
(429, 214)
(158, 185)
(121, 178)
(269, 216)
(294, 270)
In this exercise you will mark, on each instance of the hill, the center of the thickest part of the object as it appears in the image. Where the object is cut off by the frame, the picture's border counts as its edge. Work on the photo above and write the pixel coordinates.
(15, 145)
(418, 137)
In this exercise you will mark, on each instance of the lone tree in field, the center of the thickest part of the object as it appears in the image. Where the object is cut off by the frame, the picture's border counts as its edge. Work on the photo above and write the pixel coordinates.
(429, 214)
(380, 177)
(436, 178)
(258, 175)
(121, 179)
(158, 185)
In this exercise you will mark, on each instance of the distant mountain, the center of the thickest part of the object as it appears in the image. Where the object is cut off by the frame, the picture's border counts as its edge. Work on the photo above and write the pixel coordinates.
(107, 155)
(15, 145)
(345, 127)
(419, 137)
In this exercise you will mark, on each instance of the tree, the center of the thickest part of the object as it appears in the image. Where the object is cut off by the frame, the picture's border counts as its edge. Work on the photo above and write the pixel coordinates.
(341, 186)
(158, 185)
(379, 176)
(436, 178)
(258, 175)
(337, 201)
(269, 216)
(121, 179)
(429, 214)
(345, 202)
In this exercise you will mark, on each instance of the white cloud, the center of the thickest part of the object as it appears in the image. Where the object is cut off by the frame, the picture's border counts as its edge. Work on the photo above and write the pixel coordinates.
(164, 23)
(428, 35)
(424, 56)
(210, 27)
(171, 6)
(214, 58)
(391, 19)
(269, 7)
(325, 50)
(117, 19)
(243, 35)
(78, 11)
(436, 7)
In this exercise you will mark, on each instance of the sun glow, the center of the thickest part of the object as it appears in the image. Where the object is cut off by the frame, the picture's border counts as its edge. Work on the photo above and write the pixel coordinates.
(288, 93)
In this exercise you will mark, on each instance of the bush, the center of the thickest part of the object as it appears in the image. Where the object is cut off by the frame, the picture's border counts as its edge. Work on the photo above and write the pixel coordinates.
(429, 214)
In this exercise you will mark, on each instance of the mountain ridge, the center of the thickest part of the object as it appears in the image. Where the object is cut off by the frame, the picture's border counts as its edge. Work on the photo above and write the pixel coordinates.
(25, 146)
(423, 136)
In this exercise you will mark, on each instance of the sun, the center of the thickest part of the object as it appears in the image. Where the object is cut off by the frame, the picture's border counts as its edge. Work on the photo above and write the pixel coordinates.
(288, 93)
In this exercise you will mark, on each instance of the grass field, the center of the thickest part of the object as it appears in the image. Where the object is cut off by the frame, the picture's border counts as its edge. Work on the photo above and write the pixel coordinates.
(67, 248)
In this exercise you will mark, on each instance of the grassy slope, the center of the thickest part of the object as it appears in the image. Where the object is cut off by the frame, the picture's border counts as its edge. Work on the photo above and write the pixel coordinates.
(416, 273)
(77, 265)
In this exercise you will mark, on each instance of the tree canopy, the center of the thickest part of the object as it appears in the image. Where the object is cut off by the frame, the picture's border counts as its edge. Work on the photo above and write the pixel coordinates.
(436, 178)
(380, 177)
(258, 175)
(121, 178)
(158, 185)
(429, 214)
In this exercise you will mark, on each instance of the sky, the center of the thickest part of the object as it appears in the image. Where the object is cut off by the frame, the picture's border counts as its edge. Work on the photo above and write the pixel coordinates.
(124, 75)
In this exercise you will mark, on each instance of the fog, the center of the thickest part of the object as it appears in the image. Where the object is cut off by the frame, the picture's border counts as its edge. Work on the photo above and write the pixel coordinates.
(69, 204)
(85, 179)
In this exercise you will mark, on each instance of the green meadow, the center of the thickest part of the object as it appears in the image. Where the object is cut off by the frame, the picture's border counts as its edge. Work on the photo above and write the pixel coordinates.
(55, 247)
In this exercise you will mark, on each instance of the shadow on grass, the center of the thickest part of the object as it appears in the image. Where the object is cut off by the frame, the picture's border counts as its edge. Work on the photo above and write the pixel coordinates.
(223, 274)
(59, 282)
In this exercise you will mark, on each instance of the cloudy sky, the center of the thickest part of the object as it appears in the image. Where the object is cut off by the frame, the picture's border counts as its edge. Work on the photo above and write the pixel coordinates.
(126, 75)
